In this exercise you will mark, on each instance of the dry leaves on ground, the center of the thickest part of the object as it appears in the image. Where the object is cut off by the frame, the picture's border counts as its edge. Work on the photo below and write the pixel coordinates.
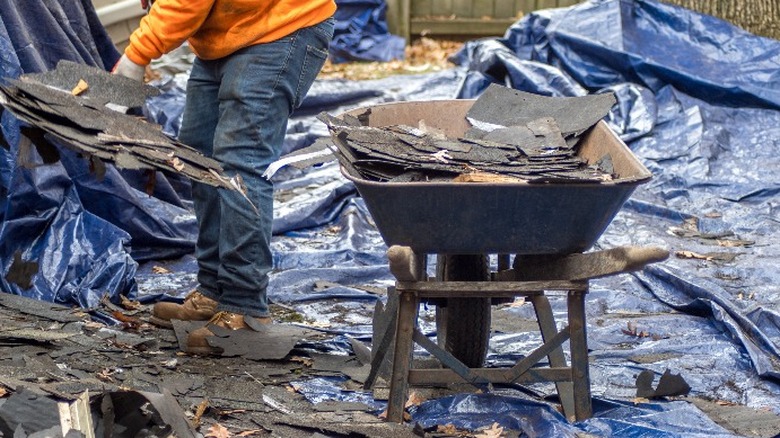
(218, 431)
(494, 431)
(424, 55)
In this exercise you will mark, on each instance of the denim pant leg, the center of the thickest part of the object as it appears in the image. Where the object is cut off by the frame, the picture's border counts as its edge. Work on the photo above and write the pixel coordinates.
(199, 122)
(259, 88)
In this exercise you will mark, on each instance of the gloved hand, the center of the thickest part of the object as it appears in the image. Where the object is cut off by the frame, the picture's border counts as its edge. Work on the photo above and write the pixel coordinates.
(129, 69)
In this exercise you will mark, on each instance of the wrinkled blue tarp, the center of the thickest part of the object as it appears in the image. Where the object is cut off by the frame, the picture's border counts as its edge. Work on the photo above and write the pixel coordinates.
(77, 228)
(43, 216)
(703, 118)
(361, 33)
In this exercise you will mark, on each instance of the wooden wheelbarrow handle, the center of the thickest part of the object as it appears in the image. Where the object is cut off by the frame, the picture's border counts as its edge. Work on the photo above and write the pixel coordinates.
(586, 266)
(405, 265)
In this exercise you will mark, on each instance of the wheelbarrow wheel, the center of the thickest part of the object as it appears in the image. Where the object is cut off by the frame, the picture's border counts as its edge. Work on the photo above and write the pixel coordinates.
(463, 324)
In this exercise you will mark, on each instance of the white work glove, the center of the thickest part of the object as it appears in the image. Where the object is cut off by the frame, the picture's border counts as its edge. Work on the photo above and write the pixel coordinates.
(129, 69)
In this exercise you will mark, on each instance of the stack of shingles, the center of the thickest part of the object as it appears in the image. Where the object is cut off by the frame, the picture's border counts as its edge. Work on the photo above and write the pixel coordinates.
(84, 109)
(516, 135)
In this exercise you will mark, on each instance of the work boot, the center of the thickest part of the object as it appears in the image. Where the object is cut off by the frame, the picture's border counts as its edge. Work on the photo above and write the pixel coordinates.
(196, 307)
(197, 342)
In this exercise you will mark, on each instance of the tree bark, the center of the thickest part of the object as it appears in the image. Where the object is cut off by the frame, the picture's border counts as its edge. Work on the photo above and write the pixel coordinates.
(761, 17)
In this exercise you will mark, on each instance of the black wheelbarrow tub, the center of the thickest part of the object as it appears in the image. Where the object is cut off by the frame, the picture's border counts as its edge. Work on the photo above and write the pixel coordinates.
(495, 218)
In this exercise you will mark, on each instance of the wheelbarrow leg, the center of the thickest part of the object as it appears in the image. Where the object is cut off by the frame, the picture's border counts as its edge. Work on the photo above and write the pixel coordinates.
(583, 408)
(544, 316)
(408, 306)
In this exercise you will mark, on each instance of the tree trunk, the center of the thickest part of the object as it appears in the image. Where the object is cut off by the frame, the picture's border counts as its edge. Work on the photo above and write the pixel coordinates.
(761, 17)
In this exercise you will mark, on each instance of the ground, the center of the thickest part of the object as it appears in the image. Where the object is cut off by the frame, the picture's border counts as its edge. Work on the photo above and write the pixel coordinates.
(61, 353)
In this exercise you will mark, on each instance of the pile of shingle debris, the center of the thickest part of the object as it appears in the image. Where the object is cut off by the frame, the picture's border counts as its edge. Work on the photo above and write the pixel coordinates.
(514, 135)
(86, 109)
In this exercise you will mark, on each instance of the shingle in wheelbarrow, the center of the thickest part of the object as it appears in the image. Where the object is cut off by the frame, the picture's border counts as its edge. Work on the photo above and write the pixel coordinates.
(547, 227)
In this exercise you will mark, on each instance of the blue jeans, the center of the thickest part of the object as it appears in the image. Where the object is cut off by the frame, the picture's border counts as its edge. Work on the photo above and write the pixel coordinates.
(236, 111)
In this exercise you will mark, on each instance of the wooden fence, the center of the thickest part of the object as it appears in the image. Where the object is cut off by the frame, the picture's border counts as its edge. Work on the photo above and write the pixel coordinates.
(480, 18)
(467, 18)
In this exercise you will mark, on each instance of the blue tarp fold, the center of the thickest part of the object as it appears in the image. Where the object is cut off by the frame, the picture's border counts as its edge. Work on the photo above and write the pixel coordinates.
(361, 33)
(86, 234)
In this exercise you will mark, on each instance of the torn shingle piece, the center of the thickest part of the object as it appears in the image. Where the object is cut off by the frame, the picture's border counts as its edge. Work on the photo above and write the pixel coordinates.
(504, 106)
(103, 86)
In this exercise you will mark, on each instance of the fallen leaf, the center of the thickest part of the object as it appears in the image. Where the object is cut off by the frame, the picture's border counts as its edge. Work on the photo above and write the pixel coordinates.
(160, 270)
(415, 399)
(631, 330)
(251, 432)
(202, 406)
(518, 302)
(725, 403)
(128, 321)
(306, 361)
(494, 431)
(448, 429)
(217, 431)
(691, 255)
(81, 87)
(226, 412)
(734, 243)
(128, 303)
(105, 375)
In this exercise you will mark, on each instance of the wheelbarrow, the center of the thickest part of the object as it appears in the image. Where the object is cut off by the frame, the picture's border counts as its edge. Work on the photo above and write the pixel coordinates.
(463, 224)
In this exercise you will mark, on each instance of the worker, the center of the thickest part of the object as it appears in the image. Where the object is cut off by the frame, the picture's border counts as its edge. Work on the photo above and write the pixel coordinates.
(255, 61)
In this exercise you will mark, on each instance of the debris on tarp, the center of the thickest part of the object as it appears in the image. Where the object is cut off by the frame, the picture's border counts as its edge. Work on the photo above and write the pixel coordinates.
(44, 309)
(262, 342)
(91, 124)
(21, 271)
(668, 385)
(317, 153)
(513, 134)
(118, 414)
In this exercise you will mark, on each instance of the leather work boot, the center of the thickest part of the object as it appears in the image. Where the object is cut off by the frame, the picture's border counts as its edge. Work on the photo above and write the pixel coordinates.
(197, 342)
(196, 307)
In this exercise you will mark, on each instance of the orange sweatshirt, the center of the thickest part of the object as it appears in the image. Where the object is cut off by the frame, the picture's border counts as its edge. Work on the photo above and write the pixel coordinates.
(217, 28)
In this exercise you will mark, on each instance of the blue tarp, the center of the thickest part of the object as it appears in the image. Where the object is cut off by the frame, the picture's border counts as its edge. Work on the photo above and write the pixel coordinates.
(78, 229)
(697, 103)
(361, 33)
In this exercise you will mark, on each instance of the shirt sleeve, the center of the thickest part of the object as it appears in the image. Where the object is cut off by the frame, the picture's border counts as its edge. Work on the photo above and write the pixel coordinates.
(168, 24)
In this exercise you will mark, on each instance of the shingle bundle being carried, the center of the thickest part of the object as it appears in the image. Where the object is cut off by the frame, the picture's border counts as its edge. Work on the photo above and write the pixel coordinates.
(513, 135)
(83, 107)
